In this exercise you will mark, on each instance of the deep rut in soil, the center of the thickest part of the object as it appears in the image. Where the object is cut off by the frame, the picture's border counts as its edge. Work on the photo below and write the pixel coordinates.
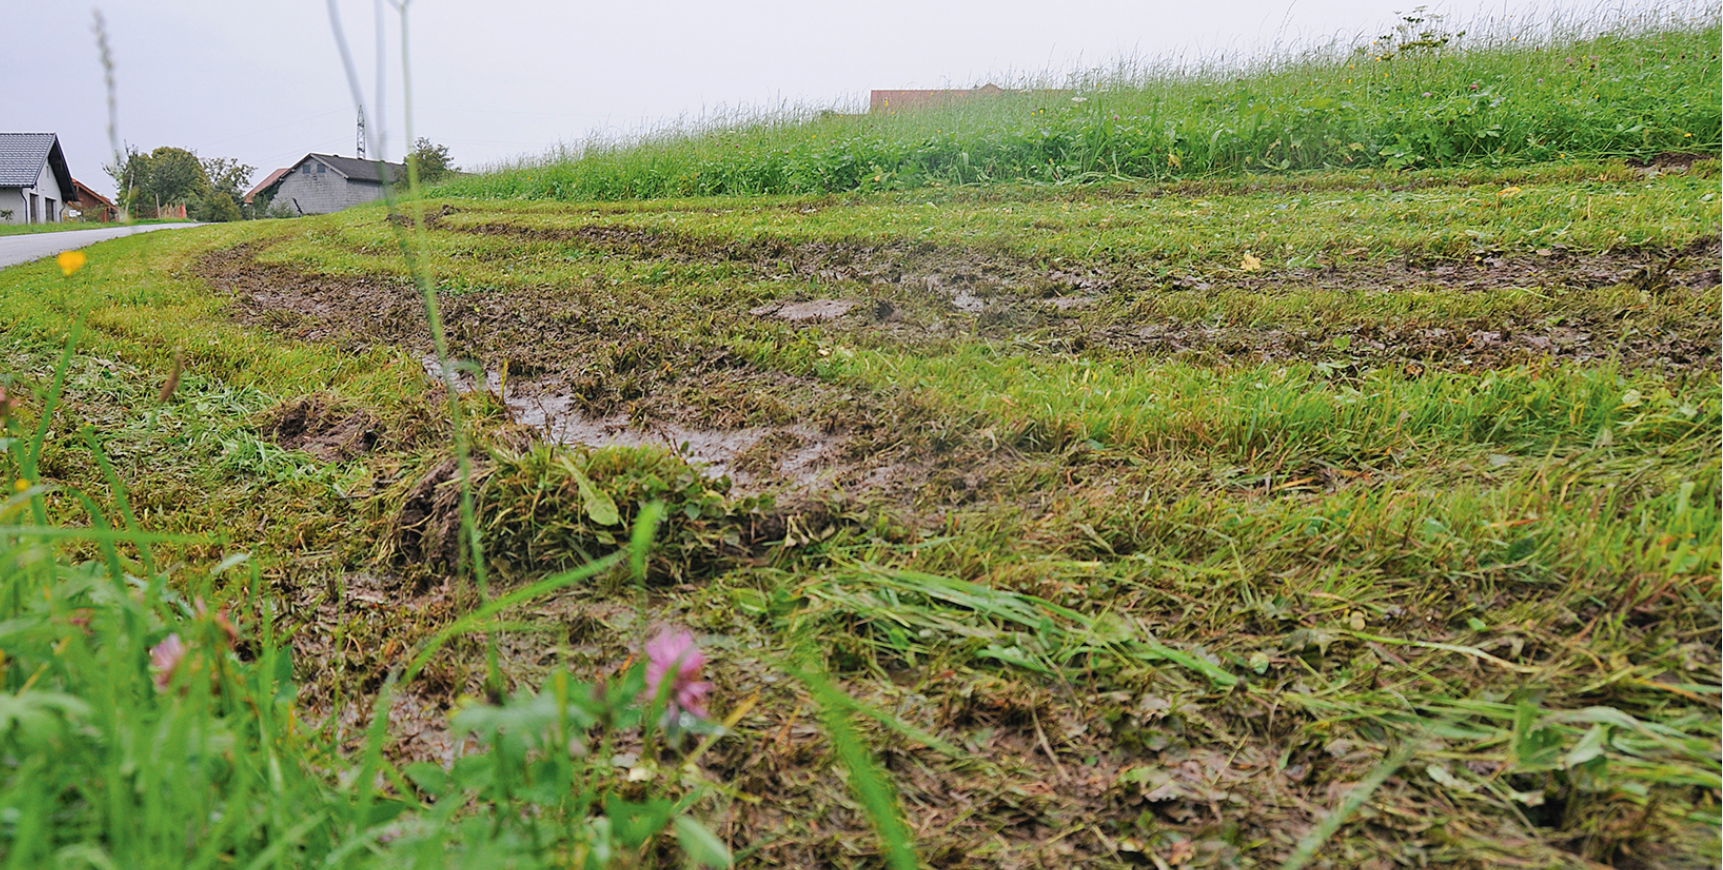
(1003, 296)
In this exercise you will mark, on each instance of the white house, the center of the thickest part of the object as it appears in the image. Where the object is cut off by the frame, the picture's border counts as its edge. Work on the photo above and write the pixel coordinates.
(34, 180)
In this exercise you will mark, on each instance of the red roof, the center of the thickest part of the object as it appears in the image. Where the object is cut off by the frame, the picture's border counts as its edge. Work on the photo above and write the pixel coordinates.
(273, 177)
(89, 197)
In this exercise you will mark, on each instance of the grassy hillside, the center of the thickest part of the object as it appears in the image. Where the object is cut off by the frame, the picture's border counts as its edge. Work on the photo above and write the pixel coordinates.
(1354, 517)
(1424, 96)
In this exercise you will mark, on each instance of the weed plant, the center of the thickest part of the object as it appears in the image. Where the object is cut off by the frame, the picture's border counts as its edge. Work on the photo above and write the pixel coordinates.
(1426, 95)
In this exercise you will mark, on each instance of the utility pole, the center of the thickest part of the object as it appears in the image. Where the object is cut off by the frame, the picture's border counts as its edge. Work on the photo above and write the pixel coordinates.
(359, 147)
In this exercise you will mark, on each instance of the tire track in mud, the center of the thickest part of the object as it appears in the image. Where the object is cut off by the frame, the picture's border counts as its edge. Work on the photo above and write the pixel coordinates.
(600, 365)
(574, 375)
(920, 291)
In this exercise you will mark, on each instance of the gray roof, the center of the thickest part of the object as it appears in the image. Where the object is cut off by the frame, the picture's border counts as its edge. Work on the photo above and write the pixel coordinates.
(357, 169)
(350, 168)
(22, 156)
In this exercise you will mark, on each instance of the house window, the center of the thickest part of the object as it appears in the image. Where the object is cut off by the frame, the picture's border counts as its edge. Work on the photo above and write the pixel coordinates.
(321, 169)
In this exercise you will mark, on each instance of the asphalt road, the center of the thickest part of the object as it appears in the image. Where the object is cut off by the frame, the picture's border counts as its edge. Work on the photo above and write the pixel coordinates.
(35, 246)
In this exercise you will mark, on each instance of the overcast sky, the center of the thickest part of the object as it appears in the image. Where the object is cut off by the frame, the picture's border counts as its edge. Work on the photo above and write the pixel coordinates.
(495, 80)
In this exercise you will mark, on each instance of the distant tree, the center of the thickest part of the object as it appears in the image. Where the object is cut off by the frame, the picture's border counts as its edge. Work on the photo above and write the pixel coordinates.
(227, 175)
(165, 176)
(227, 181)
(175, 175)
(210, 189)
(217, 206)
(431, 160)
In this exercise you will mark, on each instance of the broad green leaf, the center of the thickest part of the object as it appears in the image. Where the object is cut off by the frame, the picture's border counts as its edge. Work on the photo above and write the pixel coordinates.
(1589, 747)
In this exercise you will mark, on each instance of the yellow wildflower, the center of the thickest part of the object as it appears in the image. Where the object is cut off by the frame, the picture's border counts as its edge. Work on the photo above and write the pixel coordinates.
(70, 261)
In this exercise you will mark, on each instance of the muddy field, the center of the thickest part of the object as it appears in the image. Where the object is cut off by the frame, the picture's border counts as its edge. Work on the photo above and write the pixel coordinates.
(575, 365)
(1208, 696)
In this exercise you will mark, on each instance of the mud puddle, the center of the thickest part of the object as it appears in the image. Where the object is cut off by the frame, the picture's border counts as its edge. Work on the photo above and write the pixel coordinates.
(812, 310)
(799, 455)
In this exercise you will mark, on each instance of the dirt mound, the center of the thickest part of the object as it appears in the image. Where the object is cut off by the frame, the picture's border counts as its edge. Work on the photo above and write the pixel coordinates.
(320, 427)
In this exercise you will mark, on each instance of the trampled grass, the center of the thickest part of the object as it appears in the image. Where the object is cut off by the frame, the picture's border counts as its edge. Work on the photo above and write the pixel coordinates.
(1366, 515)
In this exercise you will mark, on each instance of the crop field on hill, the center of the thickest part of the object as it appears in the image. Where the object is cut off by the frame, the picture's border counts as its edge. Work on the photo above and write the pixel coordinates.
(1367, 516)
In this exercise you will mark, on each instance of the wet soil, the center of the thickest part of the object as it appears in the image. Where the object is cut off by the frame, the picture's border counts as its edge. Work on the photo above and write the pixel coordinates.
(572, 376)
(815, 309)
(803, 455)
(1460, 344)
(982, 270)
(321, 427)
(588, 365)
(1038, 764)
(1675, 326)
(427, 528)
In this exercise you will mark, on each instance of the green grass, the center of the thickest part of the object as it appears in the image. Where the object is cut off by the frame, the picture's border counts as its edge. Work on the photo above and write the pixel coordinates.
(1120, 548)
(1291, 221)
(1499, 96)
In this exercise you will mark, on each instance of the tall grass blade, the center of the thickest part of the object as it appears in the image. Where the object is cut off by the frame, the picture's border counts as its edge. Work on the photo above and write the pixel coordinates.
(866, 778)
(1313, 841)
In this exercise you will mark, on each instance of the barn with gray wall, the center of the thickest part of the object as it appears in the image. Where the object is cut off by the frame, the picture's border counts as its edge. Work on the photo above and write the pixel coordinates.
(321, 184)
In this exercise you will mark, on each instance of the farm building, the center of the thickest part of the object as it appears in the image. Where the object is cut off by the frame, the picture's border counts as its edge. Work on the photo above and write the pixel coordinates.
(90, 205)
(324, 183)
(34, 179)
